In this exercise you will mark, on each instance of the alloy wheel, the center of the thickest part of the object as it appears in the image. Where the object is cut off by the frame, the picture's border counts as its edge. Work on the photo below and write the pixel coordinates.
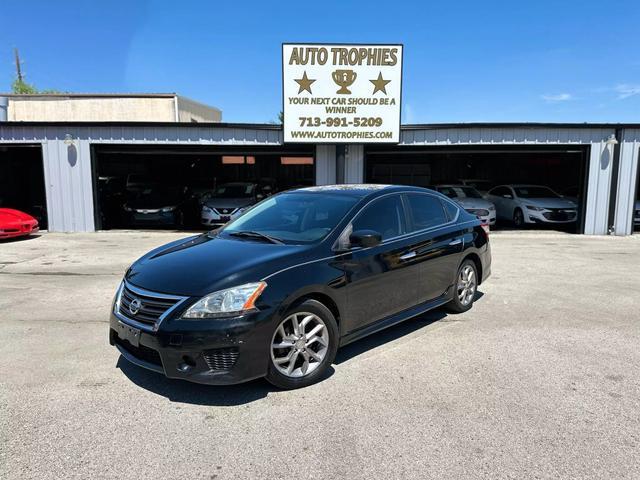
(467, 285)
(299, 344)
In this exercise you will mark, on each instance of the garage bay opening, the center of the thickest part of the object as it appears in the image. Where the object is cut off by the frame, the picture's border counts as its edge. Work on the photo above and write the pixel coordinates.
(22, 181)
(184, 187)
(529, 187)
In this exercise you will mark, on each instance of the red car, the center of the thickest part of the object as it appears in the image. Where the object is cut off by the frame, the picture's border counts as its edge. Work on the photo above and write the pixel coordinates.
(14, 223)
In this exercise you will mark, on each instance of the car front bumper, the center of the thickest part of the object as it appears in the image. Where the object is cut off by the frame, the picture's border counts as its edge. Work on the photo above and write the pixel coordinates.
(548, 216)
(153, 218)
(213, 352)
(209, 218)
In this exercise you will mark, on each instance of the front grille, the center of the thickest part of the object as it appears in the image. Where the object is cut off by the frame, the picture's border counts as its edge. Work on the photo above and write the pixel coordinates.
(221, 358)
(141, 352)
(559, 214)
(151, 308)
(225, 211)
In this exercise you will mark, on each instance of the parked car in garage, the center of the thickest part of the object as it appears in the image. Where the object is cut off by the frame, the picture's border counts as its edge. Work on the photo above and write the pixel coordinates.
(14, 223)
(275, 292)
(229, 201)
(156, 205)
(525, 204)
(636, 214)
(471, 200)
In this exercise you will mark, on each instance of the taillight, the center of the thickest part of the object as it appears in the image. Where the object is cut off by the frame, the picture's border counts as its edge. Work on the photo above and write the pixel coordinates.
(485, 227)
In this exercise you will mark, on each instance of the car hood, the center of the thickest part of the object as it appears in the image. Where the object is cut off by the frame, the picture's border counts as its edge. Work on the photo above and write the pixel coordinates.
(473, 203)
(549, 202)
(9, 216)
(229, 202)
(203, 264)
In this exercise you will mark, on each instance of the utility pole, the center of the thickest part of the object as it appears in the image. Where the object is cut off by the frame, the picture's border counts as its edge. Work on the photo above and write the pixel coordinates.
(18, 69)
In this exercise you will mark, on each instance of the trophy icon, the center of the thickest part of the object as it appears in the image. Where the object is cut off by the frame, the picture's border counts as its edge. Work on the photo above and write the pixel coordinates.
(344, 79)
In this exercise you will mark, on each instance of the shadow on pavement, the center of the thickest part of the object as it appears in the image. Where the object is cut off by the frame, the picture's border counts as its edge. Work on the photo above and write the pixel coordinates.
(231, 395)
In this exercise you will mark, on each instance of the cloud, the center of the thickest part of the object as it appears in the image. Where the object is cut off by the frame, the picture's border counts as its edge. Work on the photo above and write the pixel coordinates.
(625, 90)
(557, 97)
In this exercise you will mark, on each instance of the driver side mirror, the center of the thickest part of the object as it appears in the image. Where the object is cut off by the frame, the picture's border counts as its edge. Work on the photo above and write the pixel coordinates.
(365, 238)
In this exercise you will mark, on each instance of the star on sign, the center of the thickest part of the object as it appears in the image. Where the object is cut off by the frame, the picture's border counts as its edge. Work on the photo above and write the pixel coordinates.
(379, 84)
(305, 83)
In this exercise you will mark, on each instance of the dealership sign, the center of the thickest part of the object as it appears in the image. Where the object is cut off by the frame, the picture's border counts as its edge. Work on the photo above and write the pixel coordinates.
(341, 93)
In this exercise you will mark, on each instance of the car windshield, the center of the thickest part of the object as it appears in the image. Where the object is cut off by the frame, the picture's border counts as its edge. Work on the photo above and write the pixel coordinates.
(296, 217)
(535, 192)
(460, 192)
(234, 191)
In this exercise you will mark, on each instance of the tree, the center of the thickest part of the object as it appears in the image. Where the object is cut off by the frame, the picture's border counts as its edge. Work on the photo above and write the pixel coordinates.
(19, 85)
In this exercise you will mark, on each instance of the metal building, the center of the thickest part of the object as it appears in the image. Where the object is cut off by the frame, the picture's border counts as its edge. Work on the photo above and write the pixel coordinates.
(601, 159)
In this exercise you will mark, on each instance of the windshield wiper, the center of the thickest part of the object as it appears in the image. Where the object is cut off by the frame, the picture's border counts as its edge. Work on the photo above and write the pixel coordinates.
(252, 234)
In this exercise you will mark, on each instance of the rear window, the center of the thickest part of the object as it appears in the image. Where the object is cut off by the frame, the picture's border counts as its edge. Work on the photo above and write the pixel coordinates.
(426, 211)
(451, 209)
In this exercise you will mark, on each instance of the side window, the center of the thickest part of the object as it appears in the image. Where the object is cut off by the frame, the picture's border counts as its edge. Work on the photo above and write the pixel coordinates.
(500, 191)
(426, 211)
(451, 209)
(385, 216)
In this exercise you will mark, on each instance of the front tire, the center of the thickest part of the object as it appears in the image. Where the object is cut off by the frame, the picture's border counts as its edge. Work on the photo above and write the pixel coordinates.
(303, 346)
(518, 218)
(465, 288)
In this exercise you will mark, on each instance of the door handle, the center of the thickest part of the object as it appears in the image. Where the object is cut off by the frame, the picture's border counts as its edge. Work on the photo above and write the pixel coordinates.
(457, 241)
(408, 256)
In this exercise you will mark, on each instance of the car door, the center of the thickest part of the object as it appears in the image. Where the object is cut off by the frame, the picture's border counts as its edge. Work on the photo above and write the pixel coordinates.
(438, 242)
(381, 280)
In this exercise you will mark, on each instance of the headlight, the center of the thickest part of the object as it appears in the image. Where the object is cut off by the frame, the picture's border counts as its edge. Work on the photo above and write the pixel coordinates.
(225, 303)
(480, 212)
(492, 208)
(535, 209)
(167, 209)
(127, 208)
(206, 209)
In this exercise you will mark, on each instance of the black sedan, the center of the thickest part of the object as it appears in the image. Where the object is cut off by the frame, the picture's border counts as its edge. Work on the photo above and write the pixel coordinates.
(275, 292)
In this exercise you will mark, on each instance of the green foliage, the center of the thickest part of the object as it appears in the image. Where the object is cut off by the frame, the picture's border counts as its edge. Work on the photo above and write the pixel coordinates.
(22, 87)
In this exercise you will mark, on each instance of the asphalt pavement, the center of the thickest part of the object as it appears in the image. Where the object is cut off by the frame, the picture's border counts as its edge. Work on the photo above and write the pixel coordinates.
(540, 379)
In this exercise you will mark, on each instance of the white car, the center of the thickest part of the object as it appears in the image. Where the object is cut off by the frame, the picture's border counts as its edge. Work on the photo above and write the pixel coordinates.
(227, 202)
(524, 204)
(471, 200)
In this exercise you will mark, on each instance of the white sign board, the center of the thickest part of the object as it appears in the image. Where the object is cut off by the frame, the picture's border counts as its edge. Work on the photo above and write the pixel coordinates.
(341, 93)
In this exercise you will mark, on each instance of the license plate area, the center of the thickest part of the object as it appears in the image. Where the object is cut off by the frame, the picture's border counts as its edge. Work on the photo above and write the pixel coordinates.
(130, 334)
(225, 218)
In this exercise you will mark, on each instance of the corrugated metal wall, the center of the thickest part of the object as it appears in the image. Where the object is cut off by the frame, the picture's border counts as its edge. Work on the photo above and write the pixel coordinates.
(67, 169)
(627, 181)
(68, 179)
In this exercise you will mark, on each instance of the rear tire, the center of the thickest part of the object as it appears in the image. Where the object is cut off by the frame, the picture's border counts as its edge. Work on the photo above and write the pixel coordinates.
(303, 346)
(465, 288)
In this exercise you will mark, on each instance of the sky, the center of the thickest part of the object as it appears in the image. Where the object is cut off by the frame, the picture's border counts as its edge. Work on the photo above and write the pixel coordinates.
(464, 61)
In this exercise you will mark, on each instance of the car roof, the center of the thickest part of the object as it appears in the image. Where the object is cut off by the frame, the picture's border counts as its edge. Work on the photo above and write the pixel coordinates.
(360, 189)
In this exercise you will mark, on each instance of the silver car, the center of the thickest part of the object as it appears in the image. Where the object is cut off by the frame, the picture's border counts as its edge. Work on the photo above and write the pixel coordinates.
(471, 200)
(523, 204)
(228, 202)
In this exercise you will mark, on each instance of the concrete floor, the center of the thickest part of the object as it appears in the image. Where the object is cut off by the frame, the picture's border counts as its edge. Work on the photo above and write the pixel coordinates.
(541, 379)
